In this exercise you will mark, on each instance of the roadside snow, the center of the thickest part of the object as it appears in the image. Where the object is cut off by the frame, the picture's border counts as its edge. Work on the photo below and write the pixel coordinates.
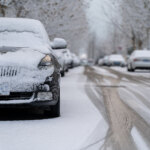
(97, 138)
(23, 57)
(135, 102)
(141, 145)
(78, 120)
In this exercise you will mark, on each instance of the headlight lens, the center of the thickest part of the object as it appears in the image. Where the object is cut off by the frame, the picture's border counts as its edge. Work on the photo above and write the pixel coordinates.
(46, 61)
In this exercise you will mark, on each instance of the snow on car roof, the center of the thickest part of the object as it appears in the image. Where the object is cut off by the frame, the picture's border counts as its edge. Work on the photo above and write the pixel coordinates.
(141, 53)
(59, 43)
(116, 57)
(22, 25)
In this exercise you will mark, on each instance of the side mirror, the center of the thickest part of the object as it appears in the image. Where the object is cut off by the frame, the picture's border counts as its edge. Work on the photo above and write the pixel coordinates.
(59, 43)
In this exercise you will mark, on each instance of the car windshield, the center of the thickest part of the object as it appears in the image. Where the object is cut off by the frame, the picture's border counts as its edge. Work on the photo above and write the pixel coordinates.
(20, 39)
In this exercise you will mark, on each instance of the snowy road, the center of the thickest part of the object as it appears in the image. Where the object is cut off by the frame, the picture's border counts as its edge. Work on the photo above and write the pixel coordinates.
(27, 130)
(127, 105)
(101, 108)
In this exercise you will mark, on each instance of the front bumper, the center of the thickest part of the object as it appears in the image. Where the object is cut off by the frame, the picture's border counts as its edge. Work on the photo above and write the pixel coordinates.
(36, 104)
(29, 88)
(39, 99)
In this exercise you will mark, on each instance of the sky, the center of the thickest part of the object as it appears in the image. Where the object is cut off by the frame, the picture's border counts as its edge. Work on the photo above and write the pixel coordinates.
(98, 15)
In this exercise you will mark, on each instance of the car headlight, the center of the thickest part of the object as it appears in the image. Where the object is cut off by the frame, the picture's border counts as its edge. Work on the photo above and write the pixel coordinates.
(46, 61)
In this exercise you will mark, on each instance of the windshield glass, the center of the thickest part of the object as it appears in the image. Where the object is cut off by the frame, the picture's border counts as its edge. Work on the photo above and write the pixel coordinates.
(20, 39)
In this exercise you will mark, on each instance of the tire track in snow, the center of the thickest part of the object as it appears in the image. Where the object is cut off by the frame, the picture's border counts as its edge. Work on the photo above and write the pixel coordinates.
(121, 117)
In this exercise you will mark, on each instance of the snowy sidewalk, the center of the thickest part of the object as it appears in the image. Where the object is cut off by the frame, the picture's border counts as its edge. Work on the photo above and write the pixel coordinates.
(78, 120)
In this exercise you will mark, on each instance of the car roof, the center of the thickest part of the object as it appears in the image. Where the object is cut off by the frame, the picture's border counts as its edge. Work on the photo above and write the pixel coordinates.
(23, 24)
(141, 53)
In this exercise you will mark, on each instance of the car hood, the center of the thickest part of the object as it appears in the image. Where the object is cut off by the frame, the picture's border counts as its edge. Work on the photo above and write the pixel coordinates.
(21, 57)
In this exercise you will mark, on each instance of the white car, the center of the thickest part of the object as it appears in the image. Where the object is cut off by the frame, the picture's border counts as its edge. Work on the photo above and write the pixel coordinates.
(76, 60)
(139, 59)
(68, 58)
(29, 71)
(59, 46)
(116, 60)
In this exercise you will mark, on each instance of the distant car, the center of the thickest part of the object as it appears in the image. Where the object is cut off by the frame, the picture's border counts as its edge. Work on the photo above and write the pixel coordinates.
(105, 60)
(59, 46)
(84, 62)
(91, 62)
(139, 59)
(116, 60)
(29, 71)
(76, 60)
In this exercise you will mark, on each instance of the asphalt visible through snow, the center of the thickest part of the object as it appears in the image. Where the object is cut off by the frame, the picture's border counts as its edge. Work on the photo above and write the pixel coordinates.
(121, 118)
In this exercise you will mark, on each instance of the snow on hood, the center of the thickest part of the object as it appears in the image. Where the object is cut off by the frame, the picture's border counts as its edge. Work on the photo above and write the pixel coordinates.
(24, 57)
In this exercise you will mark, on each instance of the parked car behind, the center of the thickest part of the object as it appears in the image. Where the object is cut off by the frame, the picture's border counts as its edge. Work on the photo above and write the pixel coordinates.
(139, 59)
(59, 46)
(105, 60)
(76, 60)
(29, 71)
(68, 59)
(116, 60)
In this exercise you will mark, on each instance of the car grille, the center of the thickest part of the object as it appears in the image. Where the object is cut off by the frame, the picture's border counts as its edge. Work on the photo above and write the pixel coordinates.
(9, 71)
(17, 96)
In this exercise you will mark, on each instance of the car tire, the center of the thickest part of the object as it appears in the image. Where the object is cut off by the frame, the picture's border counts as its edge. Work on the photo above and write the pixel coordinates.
(67, 70)
(62, 73)
(132, 70)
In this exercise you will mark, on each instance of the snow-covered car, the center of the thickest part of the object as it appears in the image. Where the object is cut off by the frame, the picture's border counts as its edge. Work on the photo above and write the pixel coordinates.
(68, 58)
(105, 60)
(75, 59)
(116, 60)
(29, 71)
(59, 46)
(139, 59)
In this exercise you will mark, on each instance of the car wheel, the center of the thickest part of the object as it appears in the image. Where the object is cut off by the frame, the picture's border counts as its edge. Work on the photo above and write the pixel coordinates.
(128, 68)
(132, 70)
(62, 73)
(67, 70)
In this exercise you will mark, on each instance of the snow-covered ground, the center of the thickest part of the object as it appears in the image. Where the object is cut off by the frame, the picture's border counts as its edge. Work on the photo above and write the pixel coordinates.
(72, 131)
(138, 140)
(133, 94)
